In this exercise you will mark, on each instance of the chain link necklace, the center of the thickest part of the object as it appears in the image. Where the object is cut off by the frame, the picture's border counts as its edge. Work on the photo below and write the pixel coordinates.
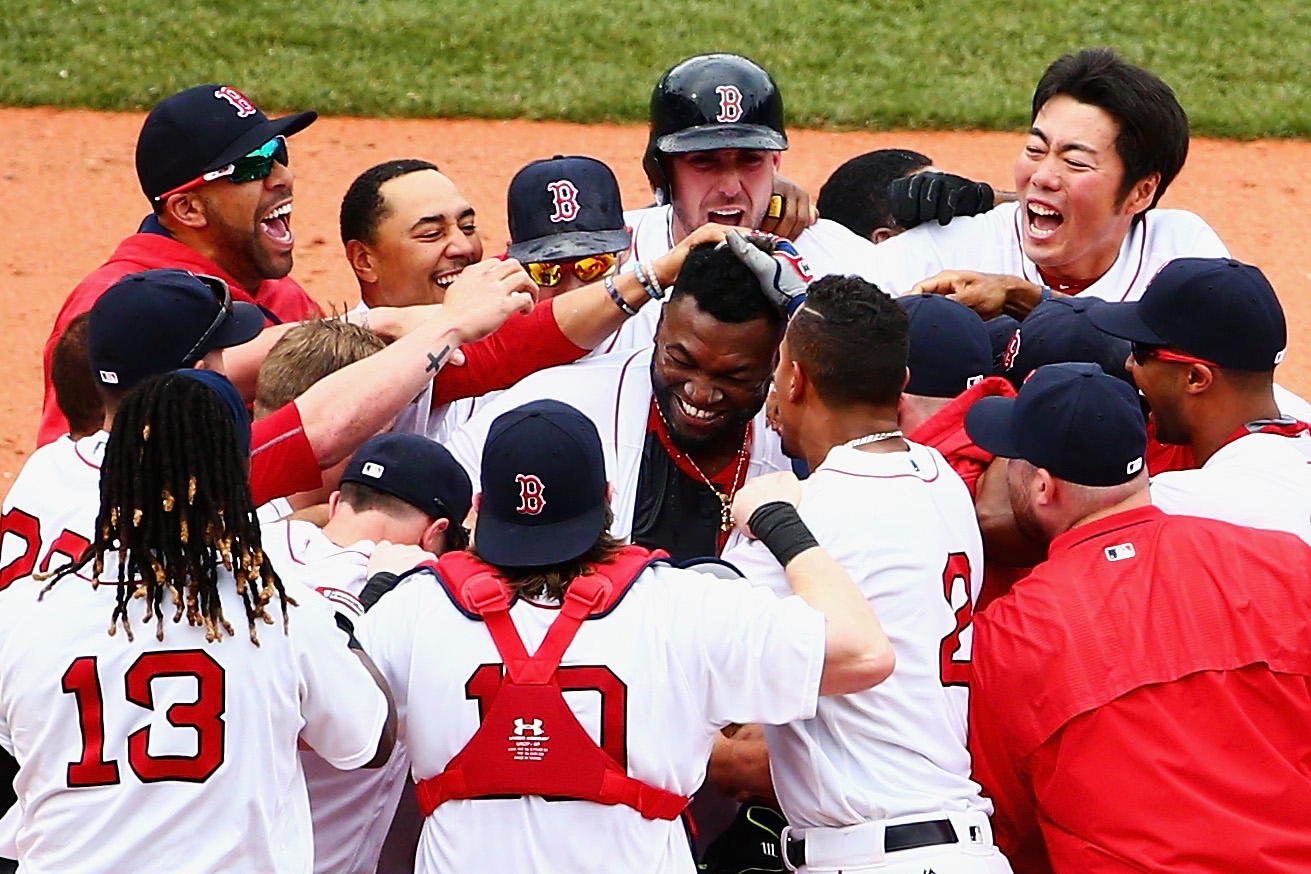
(871, 438)
(725, 498)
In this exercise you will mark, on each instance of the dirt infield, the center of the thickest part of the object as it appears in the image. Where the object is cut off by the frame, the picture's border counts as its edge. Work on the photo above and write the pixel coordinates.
(68, 194)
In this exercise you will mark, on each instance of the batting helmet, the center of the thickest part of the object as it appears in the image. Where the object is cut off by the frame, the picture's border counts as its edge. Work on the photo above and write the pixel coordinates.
(707, 102)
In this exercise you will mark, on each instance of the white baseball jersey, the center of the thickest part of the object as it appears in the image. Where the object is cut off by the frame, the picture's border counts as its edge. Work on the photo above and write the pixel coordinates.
(903, 525)
(827, 246)
(1258, 480)
(614, 391)
(990, 243)
(682, 655)
(351, 810)
(50, 511)
(173, 756)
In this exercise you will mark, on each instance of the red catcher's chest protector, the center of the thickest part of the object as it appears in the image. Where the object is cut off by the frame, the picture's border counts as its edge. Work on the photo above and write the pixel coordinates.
(530, 742)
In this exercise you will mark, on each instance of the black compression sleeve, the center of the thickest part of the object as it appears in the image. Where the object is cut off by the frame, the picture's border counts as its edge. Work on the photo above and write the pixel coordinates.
(778, 525)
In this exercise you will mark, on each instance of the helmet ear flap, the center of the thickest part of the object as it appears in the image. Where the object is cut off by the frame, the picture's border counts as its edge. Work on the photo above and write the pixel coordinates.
(655, 173)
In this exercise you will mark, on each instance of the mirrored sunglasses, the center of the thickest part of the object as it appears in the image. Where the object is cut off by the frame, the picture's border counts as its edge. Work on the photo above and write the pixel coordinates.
(248, 168)
(549, 274)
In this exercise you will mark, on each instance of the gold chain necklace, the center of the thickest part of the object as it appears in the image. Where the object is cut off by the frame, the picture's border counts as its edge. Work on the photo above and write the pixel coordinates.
(725, 498)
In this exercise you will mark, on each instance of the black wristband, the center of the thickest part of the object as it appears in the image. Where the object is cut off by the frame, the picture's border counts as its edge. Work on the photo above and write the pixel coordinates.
(778, 525)
(378, 585)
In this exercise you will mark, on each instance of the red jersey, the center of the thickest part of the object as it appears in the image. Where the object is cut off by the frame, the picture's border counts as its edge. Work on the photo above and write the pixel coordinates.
(1142, 701)
(282, 300)
(282, 461)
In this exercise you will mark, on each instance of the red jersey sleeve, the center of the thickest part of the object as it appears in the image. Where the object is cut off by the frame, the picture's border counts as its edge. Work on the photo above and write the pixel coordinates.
(526, 343)
(282, 461)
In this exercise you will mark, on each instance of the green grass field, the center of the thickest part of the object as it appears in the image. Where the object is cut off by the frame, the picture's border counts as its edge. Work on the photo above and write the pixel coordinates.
(1239, 66)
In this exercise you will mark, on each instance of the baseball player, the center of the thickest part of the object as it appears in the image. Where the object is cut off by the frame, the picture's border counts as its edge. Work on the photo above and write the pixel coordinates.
(1107, 139)
(495, 748)
(877, 780)
(1140, 701)
(215, 170)
(184, 719)
(151, 322)
(715, 147)
(398, 488)
(682, 423)
(1207, 335)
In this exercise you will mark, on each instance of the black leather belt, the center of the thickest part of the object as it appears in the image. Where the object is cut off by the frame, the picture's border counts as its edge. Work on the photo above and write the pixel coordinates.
(905, 836)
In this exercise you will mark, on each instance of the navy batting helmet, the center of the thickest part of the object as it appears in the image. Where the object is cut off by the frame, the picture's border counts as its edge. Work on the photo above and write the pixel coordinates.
(707, 102)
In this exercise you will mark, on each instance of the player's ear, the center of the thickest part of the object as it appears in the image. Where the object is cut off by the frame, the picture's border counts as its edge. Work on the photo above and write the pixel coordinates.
(1199, 378)
(434, 536)
(186, 210)
(1044, 488)
(333, 500)
(905, 380)
(878, 235)
(1140, 196)
(361, 261)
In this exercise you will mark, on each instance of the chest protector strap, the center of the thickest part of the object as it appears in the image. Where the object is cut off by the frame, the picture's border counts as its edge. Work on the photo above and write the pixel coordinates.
(530, 742)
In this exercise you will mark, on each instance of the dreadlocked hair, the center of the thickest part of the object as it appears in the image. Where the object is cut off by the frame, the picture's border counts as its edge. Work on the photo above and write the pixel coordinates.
(175, 503)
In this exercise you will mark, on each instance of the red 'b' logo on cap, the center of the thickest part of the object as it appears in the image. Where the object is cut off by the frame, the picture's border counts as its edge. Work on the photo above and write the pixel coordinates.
(532, 494)
(730, 103)
(243, 106)
(565, 197)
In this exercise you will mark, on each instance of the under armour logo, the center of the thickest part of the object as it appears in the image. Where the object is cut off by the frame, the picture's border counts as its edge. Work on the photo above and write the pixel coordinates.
(565, 195)
(372, 469)
(532, 494)
(730, 103)
(1012, 349)
(525, 726)
(1120, 552)
(238, 100)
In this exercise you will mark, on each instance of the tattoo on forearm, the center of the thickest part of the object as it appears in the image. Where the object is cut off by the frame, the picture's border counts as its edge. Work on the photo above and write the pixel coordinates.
(435, 362)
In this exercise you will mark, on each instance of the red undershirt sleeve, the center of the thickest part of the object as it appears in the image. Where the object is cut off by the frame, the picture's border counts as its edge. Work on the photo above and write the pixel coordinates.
(526, 343)
(282, 461)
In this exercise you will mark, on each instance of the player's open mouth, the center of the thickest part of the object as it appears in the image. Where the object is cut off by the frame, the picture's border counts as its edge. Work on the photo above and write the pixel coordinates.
(696, 415)
(1043, 220)
(728, 216)
(276, 225)
(445, 280)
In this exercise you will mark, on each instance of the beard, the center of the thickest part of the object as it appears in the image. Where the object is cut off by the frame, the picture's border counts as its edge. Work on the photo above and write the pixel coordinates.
(730, 427)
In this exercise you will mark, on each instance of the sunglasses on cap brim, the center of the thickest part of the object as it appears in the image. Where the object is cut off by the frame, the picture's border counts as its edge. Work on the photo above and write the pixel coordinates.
(1142, 352)
(248, 168)
(549, 274)
(224, 313)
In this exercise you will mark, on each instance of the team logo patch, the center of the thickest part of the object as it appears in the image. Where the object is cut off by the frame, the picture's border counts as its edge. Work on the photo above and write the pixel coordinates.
(564, 196)
(238, 100)
(528, 740)
(532, 494)
(1012, 349)
(109, 377)
(1120, 552)
(1134, 466)
(972, 381)
(730, 104)
(373, 469)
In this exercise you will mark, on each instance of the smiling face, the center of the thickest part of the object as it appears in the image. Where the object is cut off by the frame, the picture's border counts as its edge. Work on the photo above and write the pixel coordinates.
(709, 377)
(1069, 178)
(726, 186)
(426, 236)
(248, 225)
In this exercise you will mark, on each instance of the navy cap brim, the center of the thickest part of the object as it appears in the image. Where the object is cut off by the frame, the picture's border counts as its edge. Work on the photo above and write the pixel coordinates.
(570, 245)
(261, 134)
(709, 137)
(245, 323)
(514, 546)
(1123, 320)
(989, 423)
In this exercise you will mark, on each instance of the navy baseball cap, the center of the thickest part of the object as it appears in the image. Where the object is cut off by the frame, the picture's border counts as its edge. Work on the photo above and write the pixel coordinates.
(543, 487)
(1073, 420)
(232, 399)
(1057, 331)
(564, 208)
(949, 347)
(161, 320)
(419, 471)
(1216, 309)
(202, 129)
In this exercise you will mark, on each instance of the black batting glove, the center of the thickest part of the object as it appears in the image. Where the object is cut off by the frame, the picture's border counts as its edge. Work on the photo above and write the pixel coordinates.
(922, 197)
